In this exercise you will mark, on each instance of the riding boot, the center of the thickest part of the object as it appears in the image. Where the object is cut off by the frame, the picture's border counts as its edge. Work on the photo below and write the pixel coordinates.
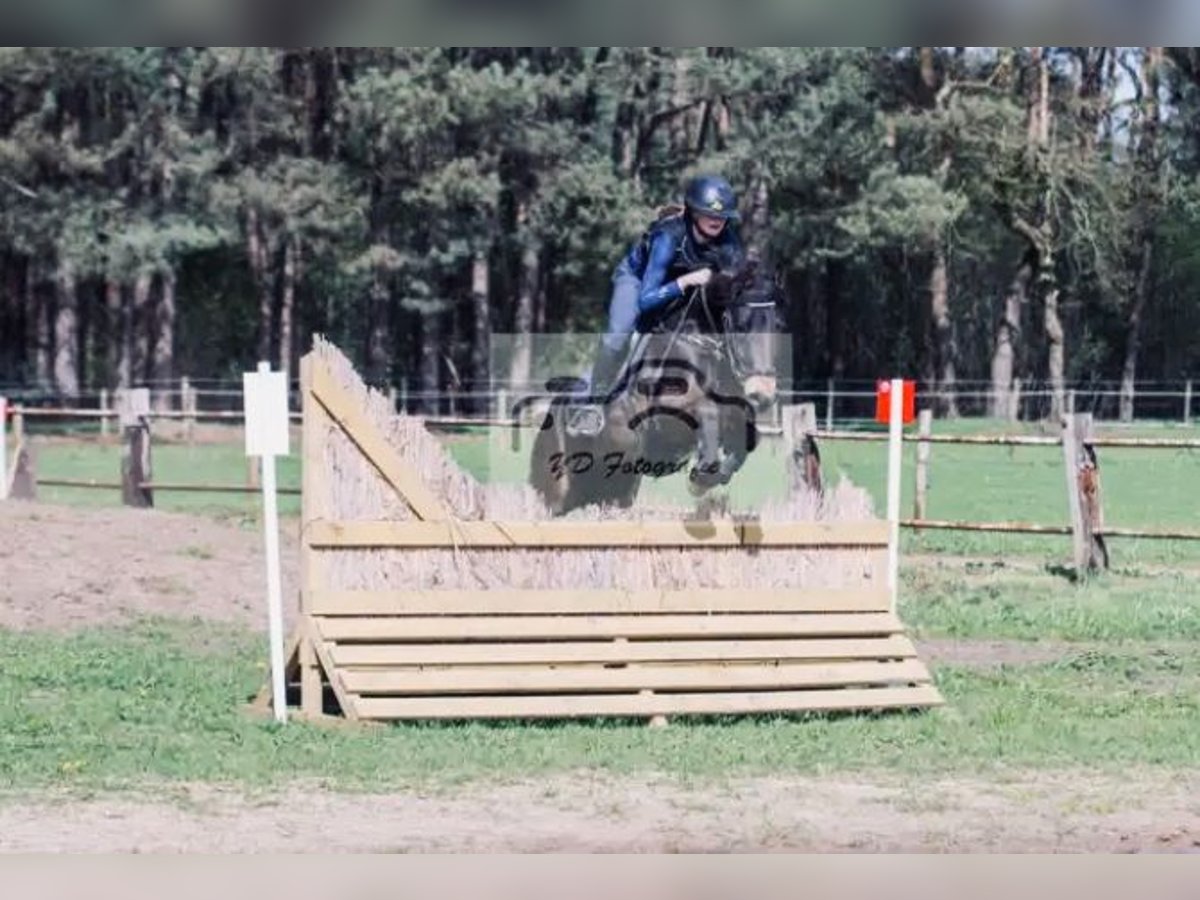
(589, 419)
(604, 372)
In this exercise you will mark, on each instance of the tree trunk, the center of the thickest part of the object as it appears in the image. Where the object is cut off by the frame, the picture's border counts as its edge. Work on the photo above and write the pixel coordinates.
(724, 122)
(1008, 332)
(759, 217)
(946, 348)
(163, 356)
(430, 348)
(139, 315)
(834, 331)
(66, 333)
(1038, 229)
(1133, 331)
(1055, 351)
(624, 139)
(678, 126)
(379, 330)
(287, 306)
(481, 320)
(256, 250)
(929, 76)
(42, 301)
(121, 326)
(20, 310)
(522, 351)
(1150, 192)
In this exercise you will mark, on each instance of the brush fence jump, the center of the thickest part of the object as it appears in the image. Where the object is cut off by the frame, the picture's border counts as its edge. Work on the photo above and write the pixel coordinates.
(460, 636)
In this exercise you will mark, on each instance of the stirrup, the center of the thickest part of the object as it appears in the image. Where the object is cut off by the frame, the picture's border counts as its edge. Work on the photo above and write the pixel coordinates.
(585, 421)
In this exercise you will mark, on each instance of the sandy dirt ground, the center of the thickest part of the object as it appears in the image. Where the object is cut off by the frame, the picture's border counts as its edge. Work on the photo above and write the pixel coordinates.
(591, 813)
(67, 568)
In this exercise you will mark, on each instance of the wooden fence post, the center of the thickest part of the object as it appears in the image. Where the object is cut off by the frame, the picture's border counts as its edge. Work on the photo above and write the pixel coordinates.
(22, 482)
(804, 458)
(104, 410)
(829, 405)
(187, 405)
(924, 429)
(1082, 471)
(3, 448)
(136, 466)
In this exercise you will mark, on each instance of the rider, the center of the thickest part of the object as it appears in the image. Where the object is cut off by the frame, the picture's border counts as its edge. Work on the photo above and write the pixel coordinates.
(677, 252)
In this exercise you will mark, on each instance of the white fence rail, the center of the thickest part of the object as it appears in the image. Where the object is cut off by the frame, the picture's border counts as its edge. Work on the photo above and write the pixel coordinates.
(844, 402)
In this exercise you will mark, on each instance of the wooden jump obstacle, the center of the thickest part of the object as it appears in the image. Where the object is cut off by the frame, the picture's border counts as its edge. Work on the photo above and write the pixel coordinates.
(501, 651)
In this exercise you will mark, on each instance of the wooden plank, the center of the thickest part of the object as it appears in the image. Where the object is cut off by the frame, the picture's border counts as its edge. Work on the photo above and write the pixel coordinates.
(333, 673)
(262, 701)
(714, 533)
(496, 628)
(362, 431)
(562, 653)
(868, 534)
(576, 679)
(647, 704)
(345, 535)
(527, 602)
(314, 507)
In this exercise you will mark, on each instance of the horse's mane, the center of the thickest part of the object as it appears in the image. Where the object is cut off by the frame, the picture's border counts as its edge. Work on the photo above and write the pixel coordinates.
(750, 282)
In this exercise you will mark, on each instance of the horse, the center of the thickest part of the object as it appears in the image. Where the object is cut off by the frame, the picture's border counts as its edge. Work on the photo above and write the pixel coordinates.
(701, 374)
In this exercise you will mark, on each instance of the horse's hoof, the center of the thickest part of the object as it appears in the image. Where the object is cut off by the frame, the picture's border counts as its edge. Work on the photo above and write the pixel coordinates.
(700, 481)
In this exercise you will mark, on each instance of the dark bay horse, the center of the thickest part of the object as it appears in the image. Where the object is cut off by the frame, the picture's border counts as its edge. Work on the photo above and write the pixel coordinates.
(700, 376)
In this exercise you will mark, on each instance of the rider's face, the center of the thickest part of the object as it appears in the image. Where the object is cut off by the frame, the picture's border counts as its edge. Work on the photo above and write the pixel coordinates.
(709, 226)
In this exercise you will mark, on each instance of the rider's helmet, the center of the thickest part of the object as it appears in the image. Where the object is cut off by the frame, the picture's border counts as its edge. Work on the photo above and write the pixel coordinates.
(712, 196)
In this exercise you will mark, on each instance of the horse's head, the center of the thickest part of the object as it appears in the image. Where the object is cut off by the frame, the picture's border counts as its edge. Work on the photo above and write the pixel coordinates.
(747, 300)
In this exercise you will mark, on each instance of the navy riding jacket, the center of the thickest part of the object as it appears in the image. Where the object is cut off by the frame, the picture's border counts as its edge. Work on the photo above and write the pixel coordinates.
(668, 249)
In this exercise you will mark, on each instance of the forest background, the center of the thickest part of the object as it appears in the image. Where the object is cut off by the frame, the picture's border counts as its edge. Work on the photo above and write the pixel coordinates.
(956, 215)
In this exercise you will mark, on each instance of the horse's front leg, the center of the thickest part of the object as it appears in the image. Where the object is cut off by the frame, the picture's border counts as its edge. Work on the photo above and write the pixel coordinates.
(708, 471)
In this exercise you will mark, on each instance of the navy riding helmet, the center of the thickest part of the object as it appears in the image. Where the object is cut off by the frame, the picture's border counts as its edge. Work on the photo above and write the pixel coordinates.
(712, 196)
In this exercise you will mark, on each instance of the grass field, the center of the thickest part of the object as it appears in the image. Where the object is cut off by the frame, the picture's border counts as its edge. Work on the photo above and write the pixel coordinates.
(1104, 674)
(1142, 488)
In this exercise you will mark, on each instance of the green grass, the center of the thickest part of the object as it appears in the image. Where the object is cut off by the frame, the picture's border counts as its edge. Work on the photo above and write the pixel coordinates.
(219, 464)
(996, 601)
(160, 702)
(1141, 488)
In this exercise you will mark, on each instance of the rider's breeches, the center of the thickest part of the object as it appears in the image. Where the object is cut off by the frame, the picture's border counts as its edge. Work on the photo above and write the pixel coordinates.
(622, 308)
(622, 321)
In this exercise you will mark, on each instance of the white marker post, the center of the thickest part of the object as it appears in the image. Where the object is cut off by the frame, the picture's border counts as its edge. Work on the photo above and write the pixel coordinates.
(266, 412)
(3, 448)
(895, 431)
